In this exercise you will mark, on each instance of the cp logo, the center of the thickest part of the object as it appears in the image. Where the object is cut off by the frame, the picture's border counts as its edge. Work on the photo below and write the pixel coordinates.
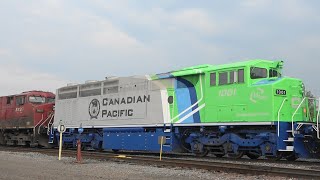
(94, 109)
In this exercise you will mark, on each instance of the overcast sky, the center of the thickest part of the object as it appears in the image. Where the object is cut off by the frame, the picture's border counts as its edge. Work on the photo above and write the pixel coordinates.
(46, 44)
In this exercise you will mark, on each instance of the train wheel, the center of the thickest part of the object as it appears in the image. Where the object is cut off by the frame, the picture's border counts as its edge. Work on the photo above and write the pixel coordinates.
(253, 155)
(202, 154)
(2, 141)
(237, 155)
(275, 158)
(291, 157)
(115, 150)
(219, 155)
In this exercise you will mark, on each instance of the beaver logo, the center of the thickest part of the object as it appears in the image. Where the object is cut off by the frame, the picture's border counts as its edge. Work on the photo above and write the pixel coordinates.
(94, 109)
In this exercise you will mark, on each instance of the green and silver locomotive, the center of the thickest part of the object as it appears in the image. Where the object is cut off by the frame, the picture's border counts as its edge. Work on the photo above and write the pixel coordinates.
(245, 108)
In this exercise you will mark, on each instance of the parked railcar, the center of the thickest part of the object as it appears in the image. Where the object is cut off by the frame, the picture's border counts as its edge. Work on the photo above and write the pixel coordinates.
(24, 118)
(246, 108)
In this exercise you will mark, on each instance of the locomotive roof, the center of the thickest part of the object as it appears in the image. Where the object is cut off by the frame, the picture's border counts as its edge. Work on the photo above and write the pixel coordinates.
(29, 92)
(207, 67)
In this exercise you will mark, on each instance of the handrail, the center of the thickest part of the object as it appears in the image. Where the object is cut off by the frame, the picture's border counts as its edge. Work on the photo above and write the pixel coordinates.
(50, 130)
(50, 115)
(295, 112)
(279, 115)
(34, 128)
(318, 114)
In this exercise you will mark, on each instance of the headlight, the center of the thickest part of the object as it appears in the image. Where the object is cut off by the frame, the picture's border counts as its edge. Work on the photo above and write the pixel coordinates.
(39, 110)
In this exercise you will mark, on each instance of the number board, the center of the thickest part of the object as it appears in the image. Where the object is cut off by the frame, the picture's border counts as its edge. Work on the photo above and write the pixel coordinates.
(281, 92)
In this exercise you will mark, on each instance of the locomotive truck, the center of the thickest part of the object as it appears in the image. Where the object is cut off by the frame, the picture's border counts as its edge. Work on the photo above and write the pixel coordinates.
(245, 108)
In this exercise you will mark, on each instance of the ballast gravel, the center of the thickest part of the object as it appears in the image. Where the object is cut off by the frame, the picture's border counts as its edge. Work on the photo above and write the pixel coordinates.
(25, 166)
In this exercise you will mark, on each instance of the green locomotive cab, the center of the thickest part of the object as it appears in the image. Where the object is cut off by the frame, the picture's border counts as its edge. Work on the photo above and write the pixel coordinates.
(253, 91)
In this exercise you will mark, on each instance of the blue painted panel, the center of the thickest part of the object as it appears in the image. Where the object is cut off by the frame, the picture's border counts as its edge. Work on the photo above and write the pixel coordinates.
(137, 139)
(186, 96)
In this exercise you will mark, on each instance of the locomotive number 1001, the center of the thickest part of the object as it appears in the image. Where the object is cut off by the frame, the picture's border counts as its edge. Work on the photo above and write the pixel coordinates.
(281, 92)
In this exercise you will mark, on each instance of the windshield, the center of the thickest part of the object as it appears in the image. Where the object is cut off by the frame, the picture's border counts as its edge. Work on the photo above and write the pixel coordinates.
(274, 73)
(257, 73)
(37, 99)
(50, 100)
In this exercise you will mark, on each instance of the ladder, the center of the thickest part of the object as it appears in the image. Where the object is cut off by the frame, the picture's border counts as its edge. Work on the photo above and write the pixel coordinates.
(290, 139)
(289, 142)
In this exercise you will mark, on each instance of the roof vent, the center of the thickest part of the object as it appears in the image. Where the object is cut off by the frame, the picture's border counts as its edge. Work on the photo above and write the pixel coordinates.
(72, 84)
(111, 77)
(90, 81)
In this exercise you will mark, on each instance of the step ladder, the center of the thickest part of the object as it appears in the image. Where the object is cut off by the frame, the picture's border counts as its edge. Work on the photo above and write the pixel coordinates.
(289, 142)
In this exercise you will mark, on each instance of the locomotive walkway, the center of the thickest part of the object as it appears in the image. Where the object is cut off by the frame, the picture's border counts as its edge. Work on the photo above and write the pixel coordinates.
(228, 167)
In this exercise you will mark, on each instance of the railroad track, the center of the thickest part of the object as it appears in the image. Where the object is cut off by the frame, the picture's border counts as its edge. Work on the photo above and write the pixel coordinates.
(228, 167)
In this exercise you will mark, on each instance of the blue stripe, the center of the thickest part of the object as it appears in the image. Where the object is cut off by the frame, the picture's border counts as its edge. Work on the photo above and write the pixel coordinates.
(164, 75)
(186, 96)
(267, 81)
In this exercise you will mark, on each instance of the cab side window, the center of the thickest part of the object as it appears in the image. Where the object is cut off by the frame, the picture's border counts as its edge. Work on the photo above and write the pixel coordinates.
(257, 73)
(223, 78)
(9, 99)
(213, 79)
(20, 100)
(273, 73)
(241, 76)
(227, 77)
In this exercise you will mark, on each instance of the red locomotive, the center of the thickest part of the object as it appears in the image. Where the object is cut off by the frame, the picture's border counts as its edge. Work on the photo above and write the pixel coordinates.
(25, 117)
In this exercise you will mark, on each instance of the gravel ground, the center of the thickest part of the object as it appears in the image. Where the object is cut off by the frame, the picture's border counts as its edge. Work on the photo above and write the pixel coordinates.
(26, 166)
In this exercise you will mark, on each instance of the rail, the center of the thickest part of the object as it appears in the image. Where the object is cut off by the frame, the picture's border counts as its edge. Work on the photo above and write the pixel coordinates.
(207, 164)
(279, 115)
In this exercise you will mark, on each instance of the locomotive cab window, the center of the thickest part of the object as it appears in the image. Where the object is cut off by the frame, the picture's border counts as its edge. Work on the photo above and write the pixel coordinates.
(241, 76)
(213, 79)
(274, 73)
(9, 99)
(20, 100)
(257, 73)
(37, 99)
(233, 77)
(223, 78)
(50, 99)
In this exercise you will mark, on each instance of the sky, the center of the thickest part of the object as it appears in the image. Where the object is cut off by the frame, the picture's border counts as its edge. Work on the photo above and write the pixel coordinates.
(46, 44)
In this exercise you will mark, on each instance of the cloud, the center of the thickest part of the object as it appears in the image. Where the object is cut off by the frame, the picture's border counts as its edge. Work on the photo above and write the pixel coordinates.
(255, 3)
(106, 35)
(4, 52)
(17, 79)
(194, 19)
(80, 40)
(39, 49)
